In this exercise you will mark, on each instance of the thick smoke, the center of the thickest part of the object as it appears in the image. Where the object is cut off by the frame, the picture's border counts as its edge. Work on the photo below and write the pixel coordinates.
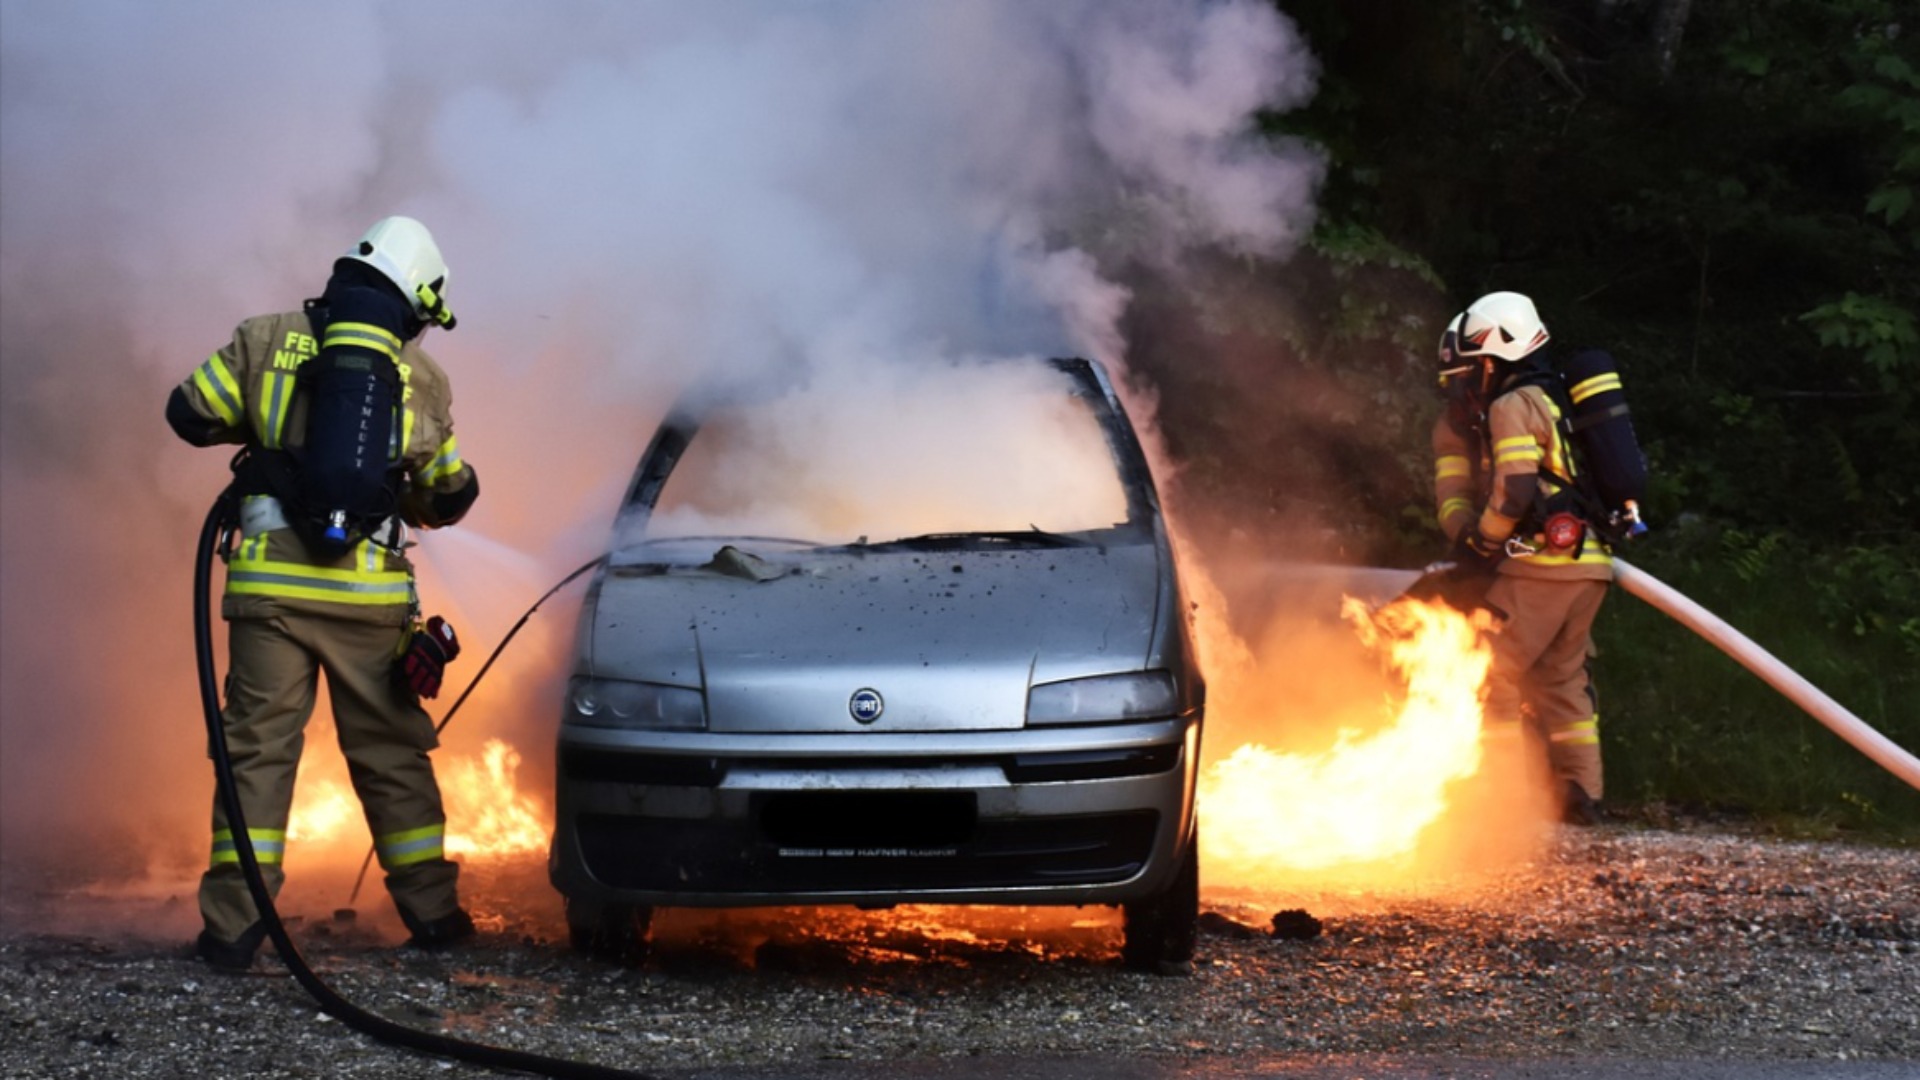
(628, 195)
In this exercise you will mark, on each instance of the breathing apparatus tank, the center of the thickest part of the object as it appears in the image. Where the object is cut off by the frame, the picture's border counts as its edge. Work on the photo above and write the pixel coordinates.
(354, 392)
(1602, 431)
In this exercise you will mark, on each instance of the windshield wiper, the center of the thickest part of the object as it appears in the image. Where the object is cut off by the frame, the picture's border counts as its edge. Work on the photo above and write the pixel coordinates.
(1032, 537)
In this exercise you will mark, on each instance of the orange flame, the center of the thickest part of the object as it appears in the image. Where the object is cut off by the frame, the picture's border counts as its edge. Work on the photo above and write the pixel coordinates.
(488, 815)
(322, 809)
(1369, 797)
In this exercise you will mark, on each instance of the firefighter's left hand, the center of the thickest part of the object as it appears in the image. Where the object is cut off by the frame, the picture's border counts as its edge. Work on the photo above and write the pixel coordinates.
(1474, 552)
(430, 650)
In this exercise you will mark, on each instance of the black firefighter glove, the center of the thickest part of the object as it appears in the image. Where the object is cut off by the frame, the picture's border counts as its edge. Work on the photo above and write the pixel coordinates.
(430, 648)
(1473, 552)
(1461, 581)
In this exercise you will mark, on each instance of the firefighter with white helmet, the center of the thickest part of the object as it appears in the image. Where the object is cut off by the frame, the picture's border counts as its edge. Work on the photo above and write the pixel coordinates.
(318, 580)
(1504, 479)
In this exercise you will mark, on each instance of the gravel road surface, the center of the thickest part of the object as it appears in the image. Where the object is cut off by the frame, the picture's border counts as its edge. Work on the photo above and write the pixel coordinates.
(1620, 951)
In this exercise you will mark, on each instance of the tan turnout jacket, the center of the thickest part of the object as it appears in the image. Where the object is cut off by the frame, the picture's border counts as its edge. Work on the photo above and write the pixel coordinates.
(247, 387)
(1494, 484)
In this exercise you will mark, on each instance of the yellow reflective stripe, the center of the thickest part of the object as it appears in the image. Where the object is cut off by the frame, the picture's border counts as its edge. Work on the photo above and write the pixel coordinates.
(412, 845)
(1591, 555)
(1582, 733)
(269, 845)
(406, 431)
(446, 462)
(275, 401)
(1599, 384)
(218, 386)
(1518, 448)
(252, 574)
(363, 335)
(1450, 466)
(1454, 506)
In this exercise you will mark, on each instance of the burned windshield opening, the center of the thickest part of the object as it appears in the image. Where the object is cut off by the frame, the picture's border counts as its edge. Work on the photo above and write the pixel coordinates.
(988, 455)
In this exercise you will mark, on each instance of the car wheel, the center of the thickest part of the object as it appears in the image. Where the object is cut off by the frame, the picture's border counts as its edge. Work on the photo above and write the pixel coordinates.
(616, 932)
(1159, 930)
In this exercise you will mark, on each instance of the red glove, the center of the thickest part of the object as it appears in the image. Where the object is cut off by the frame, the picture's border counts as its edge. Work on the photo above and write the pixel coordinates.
(429, 650)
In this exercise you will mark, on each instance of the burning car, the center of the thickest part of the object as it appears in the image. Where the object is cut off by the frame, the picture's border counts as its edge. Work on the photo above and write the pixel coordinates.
(919, 639)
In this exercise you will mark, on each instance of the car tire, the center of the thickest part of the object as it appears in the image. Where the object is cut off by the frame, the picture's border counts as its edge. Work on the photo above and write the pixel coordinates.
(616, 932)
(1158, 932)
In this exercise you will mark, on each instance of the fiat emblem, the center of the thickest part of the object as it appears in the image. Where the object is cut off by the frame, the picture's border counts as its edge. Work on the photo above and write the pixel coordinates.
(866, 705)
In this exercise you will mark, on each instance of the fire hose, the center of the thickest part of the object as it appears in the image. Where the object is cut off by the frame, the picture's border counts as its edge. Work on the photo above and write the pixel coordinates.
(219, 519)
(1884, 751)
(475, 681)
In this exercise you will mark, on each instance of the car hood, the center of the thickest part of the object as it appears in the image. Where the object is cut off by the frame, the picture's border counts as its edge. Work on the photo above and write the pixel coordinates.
(948, 640)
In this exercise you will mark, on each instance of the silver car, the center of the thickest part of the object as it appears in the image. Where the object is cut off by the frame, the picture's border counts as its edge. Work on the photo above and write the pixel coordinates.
(914, 639)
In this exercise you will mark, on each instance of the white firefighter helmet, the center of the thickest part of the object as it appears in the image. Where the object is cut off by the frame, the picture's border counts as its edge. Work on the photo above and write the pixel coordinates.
(1451, 362)
(404, 252)
(1502, 325)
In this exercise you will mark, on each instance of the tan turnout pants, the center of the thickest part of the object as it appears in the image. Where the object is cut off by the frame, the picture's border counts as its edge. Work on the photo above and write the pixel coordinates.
(384, 733)
(1540, 674)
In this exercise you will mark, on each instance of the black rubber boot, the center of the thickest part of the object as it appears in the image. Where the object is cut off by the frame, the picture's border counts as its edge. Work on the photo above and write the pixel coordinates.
(438, 933)
(1577, 807)
(236, 956)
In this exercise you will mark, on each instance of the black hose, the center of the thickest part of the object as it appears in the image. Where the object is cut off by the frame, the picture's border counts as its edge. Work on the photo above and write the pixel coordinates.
(367, 862)
(331, 1003)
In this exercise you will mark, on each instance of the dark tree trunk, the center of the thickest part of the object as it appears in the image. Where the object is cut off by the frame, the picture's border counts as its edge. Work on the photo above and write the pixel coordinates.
(1669, 23)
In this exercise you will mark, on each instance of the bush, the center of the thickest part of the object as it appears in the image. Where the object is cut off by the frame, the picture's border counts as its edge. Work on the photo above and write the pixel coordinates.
(1683, 722)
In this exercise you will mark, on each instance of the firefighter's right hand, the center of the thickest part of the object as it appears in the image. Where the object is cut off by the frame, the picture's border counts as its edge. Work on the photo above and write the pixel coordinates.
(430, 649)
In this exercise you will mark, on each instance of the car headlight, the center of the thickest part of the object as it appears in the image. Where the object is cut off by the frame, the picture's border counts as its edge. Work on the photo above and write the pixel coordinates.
(619, 703)
(1143, 695)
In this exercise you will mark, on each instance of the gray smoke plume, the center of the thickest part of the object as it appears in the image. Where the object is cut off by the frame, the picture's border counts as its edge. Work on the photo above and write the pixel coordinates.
(627, 194)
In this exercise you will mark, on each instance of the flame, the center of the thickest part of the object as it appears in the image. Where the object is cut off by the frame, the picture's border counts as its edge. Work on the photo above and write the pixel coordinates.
(323, 808)
(1370, 796)
(488, 815)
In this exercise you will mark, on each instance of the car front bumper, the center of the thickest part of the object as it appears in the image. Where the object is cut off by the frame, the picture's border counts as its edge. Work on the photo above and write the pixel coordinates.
(1074, 815)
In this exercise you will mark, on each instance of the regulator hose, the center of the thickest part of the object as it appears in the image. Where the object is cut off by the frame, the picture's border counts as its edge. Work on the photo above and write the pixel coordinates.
(219, 519)
(475, 681)
(1884, 751)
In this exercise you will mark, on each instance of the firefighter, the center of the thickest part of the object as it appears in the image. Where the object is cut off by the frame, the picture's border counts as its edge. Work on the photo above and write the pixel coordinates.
(1503, 482)
(296, 605)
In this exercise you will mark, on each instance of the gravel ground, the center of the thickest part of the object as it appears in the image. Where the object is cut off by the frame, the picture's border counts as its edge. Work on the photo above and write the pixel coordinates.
(1619, 943)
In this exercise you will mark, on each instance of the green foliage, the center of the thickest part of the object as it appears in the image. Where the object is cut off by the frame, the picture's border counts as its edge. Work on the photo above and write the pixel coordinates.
(1682, 722)
(1882, 331)
(1740, 231)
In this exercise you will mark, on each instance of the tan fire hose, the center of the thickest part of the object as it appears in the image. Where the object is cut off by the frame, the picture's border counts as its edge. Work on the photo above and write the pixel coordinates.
(1884, 751)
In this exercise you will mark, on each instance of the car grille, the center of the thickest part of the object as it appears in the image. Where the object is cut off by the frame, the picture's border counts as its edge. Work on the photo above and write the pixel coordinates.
(677, 770)
(865, 842)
